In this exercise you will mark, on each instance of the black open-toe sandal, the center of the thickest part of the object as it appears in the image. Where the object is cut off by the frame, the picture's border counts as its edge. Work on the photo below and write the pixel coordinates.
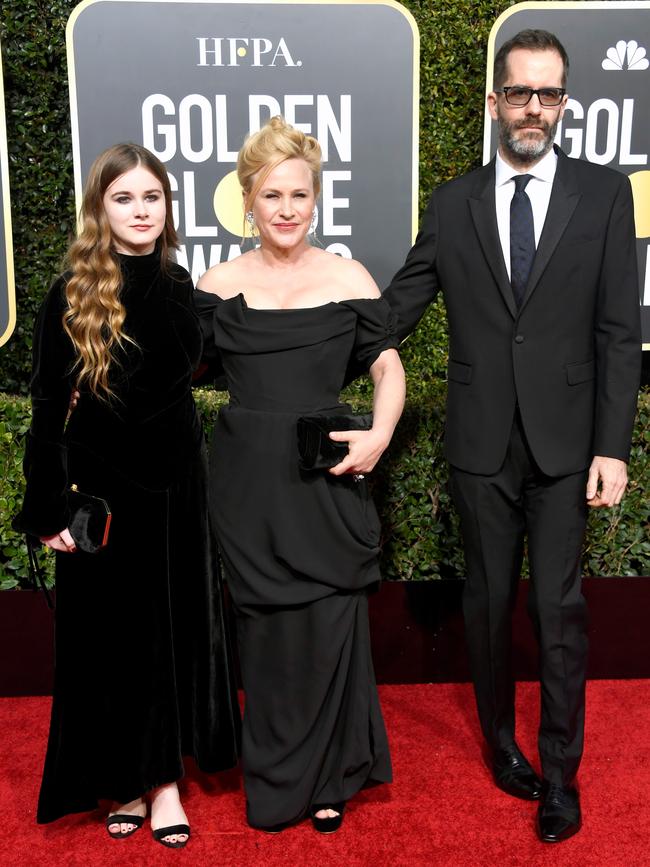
(119, 819)
(168, 832)
(331, 823)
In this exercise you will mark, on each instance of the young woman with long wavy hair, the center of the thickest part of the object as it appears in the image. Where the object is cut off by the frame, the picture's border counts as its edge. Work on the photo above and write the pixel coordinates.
(143, 673)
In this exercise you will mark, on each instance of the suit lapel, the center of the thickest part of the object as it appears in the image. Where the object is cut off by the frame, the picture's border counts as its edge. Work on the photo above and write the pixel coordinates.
(483, 210)
(564, 199)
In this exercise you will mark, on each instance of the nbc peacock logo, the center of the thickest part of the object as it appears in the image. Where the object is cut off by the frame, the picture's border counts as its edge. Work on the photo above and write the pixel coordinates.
(626, 56)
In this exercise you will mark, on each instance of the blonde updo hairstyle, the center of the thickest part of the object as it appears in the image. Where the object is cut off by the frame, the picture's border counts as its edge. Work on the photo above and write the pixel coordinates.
(276, 142)
(95, 314)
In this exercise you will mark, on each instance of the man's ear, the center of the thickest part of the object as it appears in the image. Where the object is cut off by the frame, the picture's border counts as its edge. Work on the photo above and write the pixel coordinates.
(492, 104)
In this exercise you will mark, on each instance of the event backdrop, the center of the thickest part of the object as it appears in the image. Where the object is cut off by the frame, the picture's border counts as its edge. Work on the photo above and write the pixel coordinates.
(7, 295)
(607, 118)
(190, 79)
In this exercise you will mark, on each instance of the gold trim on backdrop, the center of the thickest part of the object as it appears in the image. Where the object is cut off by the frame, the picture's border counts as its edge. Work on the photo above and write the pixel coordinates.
(6, 211)
(74, 122)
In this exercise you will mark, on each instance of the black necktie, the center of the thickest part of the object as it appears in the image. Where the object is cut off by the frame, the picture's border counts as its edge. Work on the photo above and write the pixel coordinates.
(522, 238)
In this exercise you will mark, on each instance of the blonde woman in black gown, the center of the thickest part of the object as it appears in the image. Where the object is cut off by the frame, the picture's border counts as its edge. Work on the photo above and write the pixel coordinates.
(300, 548)
(143, 674)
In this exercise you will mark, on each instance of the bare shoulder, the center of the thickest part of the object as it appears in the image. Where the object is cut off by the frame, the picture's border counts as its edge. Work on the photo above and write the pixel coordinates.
(225, 279)
(353, 279)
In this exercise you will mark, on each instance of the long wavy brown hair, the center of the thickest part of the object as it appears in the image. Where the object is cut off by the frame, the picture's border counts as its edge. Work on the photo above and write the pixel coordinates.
(95, 315)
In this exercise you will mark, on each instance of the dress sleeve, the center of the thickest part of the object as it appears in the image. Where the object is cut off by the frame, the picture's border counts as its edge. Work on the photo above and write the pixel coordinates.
(45, 509)
(376, 332)
(210, 369)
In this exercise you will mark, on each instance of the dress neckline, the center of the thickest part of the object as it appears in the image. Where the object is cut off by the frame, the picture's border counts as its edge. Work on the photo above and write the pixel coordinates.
(283, 309)
(149, 264)
(242, 300)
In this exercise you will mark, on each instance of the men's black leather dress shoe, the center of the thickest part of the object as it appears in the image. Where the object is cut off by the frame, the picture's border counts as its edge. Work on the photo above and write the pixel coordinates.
(513, 773)
(558, 816)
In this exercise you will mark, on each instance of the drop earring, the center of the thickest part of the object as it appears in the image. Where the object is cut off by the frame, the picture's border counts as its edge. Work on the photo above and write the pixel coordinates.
(250, 219)
(314, 221)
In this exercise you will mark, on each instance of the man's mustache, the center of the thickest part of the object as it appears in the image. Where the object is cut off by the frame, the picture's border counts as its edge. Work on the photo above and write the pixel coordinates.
(529, 124)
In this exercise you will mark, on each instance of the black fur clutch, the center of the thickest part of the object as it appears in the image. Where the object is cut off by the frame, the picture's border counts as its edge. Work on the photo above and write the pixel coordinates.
(90, 520)
(317, 451)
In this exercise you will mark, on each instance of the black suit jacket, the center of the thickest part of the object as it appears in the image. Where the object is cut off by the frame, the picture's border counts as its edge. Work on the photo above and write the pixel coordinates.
(570, 357)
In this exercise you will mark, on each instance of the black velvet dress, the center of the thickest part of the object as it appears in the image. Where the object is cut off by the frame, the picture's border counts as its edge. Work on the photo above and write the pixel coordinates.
(143, 674)
(300, 551)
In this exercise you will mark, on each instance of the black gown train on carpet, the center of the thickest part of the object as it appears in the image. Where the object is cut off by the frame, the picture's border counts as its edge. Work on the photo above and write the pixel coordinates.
(300, 551)
(143, 674)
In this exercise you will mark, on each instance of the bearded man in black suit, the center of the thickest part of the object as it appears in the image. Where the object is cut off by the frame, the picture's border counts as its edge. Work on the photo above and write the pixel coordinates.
(535, 256)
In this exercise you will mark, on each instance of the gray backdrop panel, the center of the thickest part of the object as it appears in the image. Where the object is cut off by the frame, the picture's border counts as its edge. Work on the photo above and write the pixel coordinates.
(616, 133)
(126, 51)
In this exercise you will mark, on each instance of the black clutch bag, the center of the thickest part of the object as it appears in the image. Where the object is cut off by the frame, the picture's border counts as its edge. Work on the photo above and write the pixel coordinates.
(89, 525)
(90, 520)
(317, 451)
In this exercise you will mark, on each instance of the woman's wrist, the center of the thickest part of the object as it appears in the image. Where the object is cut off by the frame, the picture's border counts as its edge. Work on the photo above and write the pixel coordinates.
(384, 433)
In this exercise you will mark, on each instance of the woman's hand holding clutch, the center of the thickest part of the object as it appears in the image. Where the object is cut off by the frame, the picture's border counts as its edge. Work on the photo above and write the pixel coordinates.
(62, 541)
(365, 447)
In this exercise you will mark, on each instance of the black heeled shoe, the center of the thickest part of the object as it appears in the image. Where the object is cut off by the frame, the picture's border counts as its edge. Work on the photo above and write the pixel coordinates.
(168, 832)
(121, 818)
(330, 824)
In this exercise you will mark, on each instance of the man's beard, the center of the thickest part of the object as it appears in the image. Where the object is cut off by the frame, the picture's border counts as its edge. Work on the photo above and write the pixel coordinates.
(528, 148)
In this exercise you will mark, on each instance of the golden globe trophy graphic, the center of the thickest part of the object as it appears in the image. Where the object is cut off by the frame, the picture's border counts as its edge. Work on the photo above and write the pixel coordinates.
(641, 190)
(607, 116)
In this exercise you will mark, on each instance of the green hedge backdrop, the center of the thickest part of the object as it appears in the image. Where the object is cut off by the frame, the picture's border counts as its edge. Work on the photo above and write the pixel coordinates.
(420, 528)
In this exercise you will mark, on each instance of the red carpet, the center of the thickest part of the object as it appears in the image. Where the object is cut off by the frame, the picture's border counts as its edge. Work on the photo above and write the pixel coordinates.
(441, 810)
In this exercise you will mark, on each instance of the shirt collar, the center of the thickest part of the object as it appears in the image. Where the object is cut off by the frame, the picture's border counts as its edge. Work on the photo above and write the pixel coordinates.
(544, 170)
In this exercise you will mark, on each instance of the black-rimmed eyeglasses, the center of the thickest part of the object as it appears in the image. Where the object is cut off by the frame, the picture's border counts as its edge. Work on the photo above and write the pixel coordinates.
(520, 96)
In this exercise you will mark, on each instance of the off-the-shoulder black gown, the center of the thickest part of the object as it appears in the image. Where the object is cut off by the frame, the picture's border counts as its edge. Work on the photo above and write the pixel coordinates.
(143, 674)
(300, 551)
